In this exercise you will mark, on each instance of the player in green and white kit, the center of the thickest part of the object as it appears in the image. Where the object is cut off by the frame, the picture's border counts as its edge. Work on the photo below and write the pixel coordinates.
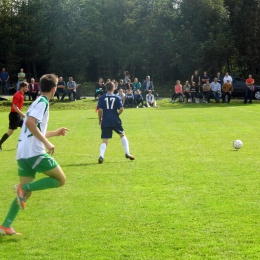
(31, 155)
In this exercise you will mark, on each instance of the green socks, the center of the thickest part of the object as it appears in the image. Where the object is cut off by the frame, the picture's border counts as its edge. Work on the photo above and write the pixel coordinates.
(42, 184)
(12, 213)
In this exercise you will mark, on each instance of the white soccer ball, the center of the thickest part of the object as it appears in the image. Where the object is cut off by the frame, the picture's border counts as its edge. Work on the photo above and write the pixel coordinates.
(237, 144)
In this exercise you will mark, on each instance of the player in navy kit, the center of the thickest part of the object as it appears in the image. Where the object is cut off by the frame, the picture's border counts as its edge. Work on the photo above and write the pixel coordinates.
(109, 109)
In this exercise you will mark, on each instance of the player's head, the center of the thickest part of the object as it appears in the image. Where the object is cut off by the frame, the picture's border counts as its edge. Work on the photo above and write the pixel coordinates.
(48, 82)
(24, 86)
(110, 86)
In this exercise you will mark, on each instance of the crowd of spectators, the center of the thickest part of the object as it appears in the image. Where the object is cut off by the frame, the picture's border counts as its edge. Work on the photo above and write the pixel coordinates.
(9, 88)
(132, 94)
(203, 88)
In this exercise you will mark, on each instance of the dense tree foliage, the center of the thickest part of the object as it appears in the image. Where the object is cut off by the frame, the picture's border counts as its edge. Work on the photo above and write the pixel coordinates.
(167, 39)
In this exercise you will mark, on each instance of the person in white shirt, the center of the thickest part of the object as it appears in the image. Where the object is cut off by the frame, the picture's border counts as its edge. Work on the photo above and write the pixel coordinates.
(150, 102)
(226, 78)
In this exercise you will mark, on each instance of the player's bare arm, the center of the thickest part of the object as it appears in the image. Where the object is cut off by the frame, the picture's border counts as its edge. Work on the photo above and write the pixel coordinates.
(61, 131)
(100, 113)
(32, 126)
(18, 111)
(120, 111)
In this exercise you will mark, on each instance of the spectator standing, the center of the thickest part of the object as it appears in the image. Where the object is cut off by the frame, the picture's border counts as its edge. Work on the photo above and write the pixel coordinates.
(71, 89)
(99, 87)
(215, 89)
(61, 89)
(206, 91)
(204, 78)
(136, 84)
(16, 115)
(195, 78)
(227, 77)
(138, 99)
(147, 85)
(33, 90)
(127, 76)
(21, 77)
(220, 78)
(177, 90)
(4, 76)
(249, 89)
(150, 101)
(227, 89)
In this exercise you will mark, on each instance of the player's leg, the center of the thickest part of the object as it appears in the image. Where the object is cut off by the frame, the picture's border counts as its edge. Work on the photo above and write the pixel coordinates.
(5, 137)
(5, 228)
(119, 130)
(106, 133)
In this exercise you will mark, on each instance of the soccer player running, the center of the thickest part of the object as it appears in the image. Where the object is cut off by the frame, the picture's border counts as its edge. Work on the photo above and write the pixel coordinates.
(31, 155)
(16, 115)
(109, 109)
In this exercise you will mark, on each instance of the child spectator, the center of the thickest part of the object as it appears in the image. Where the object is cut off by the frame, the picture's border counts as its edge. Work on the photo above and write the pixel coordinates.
(138, 99)
(129, 98)
(121, 95)
(150, 102)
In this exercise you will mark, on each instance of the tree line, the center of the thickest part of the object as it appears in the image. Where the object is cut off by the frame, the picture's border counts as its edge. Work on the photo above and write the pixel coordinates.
(166, 39)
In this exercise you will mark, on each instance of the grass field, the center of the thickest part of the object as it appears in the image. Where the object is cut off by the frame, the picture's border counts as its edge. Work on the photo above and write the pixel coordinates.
(188, 195)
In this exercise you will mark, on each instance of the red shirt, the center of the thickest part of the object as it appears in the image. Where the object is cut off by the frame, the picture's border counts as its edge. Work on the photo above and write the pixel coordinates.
(250, 80)
(18, 99)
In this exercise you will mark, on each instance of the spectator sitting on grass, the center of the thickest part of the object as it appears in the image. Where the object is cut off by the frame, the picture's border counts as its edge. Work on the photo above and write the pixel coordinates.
(121, 95)
(178, 91)
(150, 102)
(129, 98)
(138, 98)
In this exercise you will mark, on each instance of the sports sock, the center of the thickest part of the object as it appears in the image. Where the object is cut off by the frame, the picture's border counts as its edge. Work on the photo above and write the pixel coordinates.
(3, 139)
(103, 147)
(42, 184)
(125, 144)
(12, 213)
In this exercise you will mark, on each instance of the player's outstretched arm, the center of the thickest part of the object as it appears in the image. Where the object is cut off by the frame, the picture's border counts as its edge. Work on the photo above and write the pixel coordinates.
(61, 131)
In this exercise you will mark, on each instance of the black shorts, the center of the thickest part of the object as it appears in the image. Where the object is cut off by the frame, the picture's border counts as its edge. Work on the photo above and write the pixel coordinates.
(15, 120)
(108, 131)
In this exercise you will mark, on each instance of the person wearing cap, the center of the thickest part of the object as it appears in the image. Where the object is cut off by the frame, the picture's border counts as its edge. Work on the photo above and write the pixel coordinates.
(227, 89)
(150, 101)
(147, 85)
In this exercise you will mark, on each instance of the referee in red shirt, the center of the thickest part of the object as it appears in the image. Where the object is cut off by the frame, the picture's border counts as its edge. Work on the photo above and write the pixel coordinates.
(16, 115)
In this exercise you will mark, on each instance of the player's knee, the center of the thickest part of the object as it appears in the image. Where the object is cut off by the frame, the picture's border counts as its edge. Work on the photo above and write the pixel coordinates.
(62, 181)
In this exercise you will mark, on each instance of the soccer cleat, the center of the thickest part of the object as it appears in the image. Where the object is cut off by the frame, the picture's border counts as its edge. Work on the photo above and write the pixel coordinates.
(100, 160)
(8, 231)
(129, 156)
(21, 195)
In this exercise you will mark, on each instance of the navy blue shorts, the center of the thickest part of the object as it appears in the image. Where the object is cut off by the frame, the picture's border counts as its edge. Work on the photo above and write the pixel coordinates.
(108, 131)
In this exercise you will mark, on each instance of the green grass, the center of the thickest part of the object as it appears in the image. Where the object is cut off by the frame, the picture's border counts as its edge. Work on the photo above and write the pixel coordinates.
(188, 194)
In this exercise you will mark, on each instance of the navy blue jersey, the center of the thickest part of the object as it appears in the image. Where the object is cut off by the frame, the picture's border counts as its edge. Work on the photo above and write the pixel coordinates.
(110, 104)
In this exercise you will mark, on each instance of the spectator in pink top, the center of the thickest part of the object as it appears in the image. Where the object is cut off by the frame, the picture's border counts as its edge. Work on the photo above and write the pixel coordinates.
(178, 91)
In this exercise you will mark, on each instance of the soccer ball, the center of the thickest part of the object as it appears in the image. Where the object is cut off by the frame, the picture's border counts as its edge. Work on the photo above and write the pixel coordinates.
(237, 144)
